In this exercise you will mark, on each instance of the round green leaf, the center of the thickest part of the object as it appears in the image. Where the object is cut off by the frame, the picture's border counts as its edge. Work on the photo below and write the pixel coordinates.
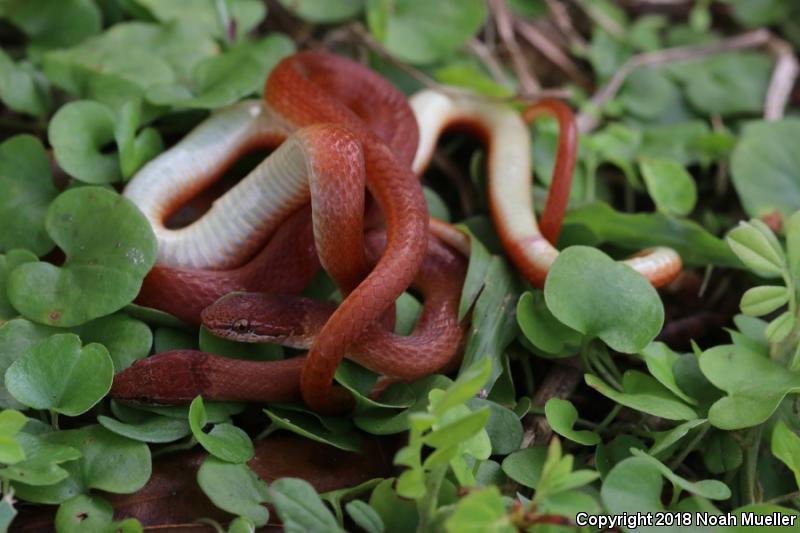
(28, 189)
(126, 338)
(234, 488)
(78, 133)
(421, 31)
(109, 462)
(542, 329)
(59, 375)
(721, 452)
(503, 427)
(525, 466)
(599, 297)
(633, 485)
(481, 510)
(225, 441)
(109, 247)
(672, 188)
(92, 513)
(562, 415)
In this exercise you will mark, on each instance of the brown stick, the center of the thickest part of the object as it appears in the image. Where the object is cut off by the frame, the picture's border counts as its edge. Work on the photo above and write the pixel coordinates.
(505, 27)
(560, 382)
(541, 42)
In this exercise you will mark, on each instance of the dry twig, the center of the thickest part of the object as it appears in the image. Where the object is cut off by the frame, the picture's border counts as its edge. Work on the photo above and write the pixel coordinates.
(560, 382)
(505, 27)
(550, 50)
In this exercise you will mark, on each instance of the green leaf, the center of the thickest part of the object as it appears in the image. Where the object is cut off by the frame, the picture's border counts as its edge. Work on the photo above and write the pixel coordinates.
(22, 88)
(503, 428)
(764, 167)
(223, 79)
(525, 466)
(643, 393)
(109, 462)
(127, 59)
(468, 75)
(334, 431)
(11, 422)
(155, 429)
(398, 514)
(707, 488)
(663, 440)
(722, 452)
(205, 17)
(754, 384)
(755, 249)
(468, 384)
(53, 24)
(481, 510)
(672, 188)
(421, 32)
(224, 441)
(78, 133)
(241, 524)
(300, 508)
(57, 374)
(763, 300)
(660, 360)
(792, 228)
(323, 11)
(91, 513)
(457, 431)
(615, 303)
(134, 151)
(632, 486)
(106, 262)
(28, 189)
(126, 338)
(786, 447)
(780, 327)
(40, 466)
(542, 329)
(365, 516)
(9, 262)
(726, 84)
(234, 488)
(561, 415)
(695, 245)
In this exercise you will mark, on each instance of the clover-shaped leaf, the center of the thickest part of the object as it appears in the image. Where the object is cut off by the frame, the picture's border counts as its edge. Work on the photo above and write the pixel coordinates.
(109, 462)
(109, 247)
(27, 185)
(591, 293)
(562, 415)
(223, 79)
(78, 133)
(754, 384)
(225, 441)
(234, 488)
(57, 374)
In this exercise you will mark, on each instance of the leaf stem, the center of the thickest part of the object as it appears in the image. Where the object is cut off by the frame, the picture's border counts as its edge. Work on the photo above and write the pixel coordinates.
(751, 465)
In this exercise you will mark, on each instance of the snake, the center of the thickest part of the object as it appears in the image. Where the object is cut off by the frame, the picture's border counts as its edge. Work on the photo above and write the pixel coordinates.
(321, 114)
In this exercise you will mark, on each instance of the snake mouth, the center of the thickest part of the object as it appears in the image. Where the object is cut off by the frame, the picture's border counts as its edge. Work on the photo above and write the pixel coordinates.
(250, 337)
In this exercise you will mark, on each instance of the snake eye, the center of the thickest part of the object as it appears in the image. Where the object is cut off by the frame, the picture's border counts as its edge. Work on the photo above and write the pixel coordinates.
(241, 325)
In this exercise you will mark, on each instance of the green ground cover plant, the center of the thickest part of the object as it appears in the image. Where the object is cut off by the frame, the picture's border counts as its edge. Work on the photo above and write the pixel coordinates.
(598, 394)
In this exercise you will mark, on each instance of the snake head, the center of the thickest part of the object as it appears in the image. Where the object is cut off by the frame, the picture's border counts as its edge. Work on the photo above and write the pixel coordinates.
(266, 318)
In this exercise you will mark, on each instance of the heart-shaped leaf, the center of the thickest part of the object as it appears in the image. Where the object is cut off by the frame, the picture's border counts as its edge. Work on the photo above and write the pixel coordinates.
(225, 441)
(134, 151)
(591, 293)
(234, 488)
(28, 188)
(78, 132)
(109, 462)
(109, 246)
(57, 374)
(754, 383)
